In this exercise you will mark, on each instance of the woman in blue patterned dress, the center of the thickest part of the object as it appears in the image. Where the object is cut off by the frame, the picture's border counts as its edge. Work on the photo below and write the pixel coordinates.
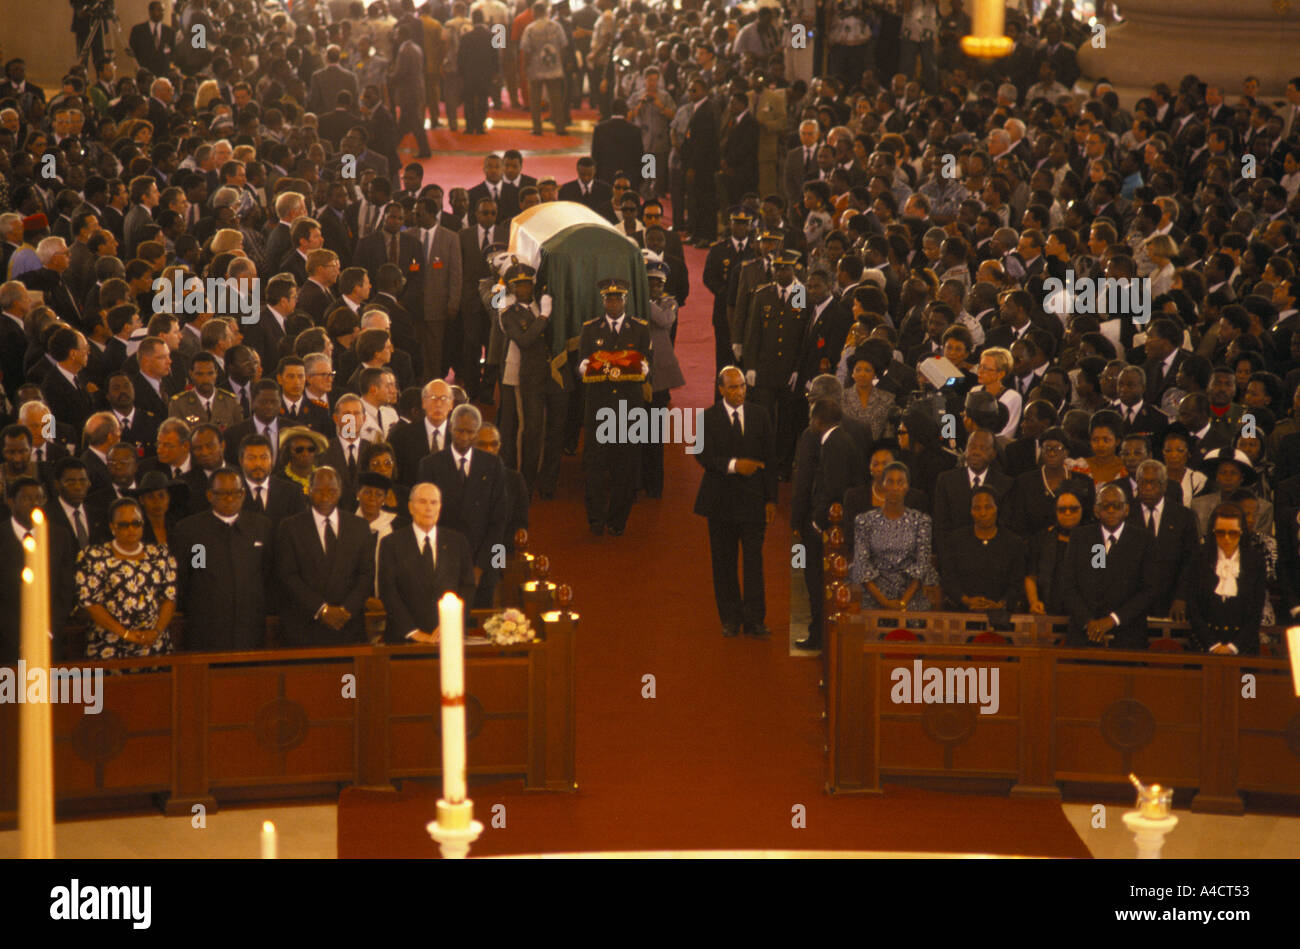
(128, 588)
(891, 550)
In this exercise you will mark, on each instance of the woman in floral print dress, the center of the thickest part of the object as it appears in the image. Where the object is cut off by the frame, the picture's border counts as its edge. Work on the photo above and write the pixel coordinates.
(128, 588)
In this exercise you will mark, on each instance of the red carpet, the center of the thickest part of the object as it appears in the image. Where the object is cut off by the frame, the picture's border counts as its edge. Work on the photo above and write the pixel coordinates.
(733, 740)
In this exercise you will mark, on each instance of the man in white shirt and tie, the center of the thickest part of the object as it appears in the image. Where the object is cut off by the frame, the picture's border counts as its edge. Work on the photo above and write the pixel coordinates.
(494, 186)
(379, 392)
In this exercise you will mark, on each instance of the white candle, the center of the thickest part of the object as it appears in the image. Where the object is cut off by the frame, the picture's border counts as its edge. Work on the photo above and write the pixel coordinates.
(268, 840)
(452, 664)
(35, 734)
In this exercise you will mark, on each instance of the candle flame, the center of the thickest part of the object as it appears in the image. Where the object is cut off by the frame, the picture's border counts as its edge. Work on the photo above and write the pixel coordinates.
(28, 576)
(268, 827)
(38, 516)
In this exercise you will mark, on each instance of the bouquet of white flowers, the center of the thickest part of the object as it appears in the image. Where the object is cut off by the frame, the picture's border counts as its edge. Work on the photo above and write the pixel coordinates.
(508, 627)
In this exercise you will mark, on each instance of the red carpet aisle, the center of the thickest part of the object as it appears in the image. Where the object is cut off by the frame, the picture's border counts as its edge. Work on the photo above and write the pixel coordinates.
(732, 740)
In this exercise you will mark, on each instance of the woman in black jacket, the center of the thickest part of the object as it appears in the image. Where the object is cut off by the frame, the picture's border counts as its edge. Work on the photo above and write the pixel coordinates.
(1228, 587)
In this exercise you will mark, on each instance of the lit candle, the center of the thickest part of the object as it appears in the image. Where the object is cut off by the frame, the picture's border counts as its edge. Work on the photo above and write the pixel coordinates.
(268, 840)
(452, 662)
(35, 735)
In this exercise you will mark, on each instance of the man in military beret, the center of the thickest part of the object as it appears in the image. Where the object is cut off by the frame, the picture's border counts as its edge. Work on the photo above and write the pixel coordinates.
(725, 256)
(611, 463)
(773, 339)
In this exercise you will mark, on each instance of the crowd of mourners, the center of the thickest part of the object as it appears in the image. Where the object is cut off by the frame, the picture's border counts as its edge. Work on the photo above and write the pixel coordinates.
(908, 254)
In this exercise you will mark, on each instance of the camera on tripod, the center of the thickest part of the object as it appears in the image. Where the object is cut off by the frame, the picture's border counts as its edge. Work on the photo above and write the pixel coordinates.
(102, 10)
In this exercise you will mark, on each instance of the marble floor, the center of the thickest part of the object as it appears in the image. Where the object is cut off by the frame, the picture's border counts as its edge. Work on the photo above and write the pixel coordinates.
(309, 832)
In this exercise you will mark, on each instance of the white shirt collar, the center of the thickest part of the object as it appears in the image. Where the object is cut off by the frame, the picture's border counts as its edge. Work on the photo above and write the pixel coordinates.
(19, 531)
(457, 456)
(431, 534)
(226, 520)
(1115, 534)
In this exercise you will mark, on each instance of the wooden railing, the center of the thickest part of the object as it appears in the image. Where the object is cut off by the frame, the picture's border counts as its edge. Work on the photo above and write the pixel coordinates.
(190, 729)
(1223, 726)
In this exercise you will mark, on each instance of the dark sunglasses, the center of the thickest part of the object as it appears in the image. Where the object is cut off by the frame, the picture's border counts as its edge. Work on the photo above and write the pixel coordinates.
(1219, 533)
(126, 524)
(303, 449)
(1068, 508)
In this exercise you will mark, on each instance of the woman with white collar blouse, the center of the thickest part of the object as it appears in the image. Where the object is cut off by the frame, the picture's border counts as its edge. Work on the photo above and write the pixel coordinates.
(1228, 587)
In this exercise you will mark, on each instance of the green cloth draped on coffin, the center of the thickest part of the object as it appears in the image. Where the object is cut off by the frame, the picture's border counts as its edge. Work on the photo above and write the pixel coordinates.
(572, 253)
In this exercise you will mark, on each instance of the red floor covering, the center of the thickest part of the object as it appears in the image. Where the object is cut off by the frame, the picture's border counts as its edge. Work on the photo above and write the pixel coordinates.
(733, 739)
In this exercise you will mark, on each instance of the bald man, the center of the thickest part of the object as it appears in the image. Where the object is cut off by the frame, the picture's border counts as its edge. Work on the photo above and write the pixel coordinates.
(417, 565)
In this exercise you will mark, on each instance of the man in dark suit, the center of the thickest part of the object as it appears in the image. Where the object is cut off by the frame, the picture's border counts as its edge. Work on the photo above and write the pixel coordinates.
(427, 435)
(952, 489)
(590, 190)
(48, 279)
(471, 327)
(336, 123)
(472, 484)
(830, 464)
(225, 597)
(151, 42)
(1164, 358)
(325, 562)
(492, 186)
(152, 390)
(280, 297)
(63, 388)
(1175, 539)
(828, 326)
(616, 145)
(68, 509)
(24, 495)
(699, 154)
(1140, 416)
(417, 565)
(477, 64)
(316, 295)
(390, 245)
(738, 496)
(327, 82)
(1109, 584)
(606, 459)
(739, 151)
(270, 495)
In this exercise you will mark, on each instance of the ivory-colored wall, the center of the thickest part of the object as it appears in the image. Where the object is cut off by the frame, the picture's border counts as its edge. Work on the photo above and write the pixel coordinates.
(40, 31)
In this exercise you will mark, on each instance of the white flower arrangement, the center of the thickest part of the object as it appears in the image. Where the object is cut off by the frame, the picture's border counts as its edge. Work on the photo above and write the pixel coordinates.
(508, 627)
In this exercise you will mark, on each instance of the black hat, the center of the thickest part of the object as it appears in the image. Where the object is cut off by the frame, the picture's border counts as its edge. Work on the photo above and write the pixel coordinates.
(1209, 465)
(520, 272)
(373, 479)
(157, 480)
(613, 285)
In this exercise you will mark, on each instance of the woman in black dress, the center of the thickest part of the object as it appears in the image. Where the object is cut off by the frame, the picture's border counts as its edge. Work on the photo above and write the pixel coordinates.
(1228, 588)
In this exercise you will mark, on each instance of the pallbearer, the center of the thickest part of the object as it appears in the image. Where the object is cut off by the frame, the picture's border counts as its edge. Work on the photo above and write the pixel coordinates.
(615, 353)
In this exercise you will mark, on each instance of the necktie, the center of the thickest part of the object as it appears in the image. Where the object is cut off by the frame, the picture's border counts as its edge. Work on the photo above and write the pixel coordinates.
(1131, 414)
(496, 192)
(79, 523)
(371, 214)
(735, 423)
(207, 410)
(426, 551)
(243, 400)
(1150, 518)
(257, 495)
(352, 462)
(433, 442)
(329, 538)
(392, 249)
(979, 479)
(464, 475)
(487, 240)
(157, 37)
(176, 474)
(1110, 542)
(40, 454)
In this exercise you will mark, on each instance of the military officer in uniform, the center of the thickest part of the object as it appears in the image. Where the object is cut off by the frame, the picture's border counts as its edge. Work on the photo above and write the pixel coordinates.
(773, 339)
(611, 464)
(526, 370)
(745, 279)
(205, 402)
(724, 256)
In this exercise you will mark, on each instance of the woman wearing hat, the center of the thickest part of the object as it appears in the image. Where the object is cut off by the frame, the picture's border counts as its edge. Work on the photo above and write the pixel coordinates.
(300, 447)
(1228, 587)
(1227, 471)
(163, 500)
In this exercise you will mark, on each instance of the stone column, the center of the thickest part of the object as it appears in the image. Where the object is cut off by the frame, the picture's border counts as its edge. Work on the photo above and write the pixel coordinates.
(1221, 41)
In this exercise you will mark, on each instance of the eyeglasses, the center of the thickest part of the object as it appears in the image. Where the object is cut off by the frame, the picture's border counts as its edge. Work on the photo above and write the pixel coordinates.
(1110, 505)
(1069, 508)
(1219, 533)
(320, 374)
(303, 449)
(123, 525)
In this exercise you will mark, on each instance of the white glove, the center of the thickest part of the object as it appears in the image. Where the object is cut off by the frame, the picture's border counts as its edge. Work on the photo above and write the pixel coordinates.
(794, 376)
(751, 376)
(545, 306)
(736, 349)
(582, 367)
(645, 368)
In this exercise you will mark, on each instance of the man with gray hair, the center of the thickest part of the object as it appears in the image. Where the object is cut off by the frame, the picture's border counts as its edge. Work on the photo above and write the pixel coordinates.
(100, 434)
(289, 206)
(14, 305)
(11, 235)
(1176, 539)
(473, 486)
(48, 280)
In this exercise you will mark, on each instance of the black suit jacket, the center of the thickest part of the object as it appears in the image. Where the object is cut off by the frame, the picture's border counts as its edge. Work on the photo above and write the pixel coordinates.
(507, 203)
(13, 344)
(740, 153)
(226, 601)
(315, 302)
(839, 466)
(823, 341)
(1206, 610)
(278, 244)
(474, 507)
(146, 398)
(156, 60)
(62, 556)
(410, 441)
(309, 414)
(699, 151)
(616, 146)
(1149, 421)
(372, 253)
(1124, 586)
(1173, 551)
(58, 296)
(731, 497)
(308, 579)
(952, 494)
(597, 198)
(410, 590)
(283, 499)
(473, 265)
(339, 235)
(96, 522)
(70, 405)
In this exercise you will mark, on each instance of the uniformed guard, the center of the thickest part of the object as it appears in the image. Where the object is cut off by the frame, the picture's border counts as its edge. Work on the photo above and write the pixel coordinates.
(724, 256)
(616, 360)
(745, 279)
(773, 339)
(525, 371)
